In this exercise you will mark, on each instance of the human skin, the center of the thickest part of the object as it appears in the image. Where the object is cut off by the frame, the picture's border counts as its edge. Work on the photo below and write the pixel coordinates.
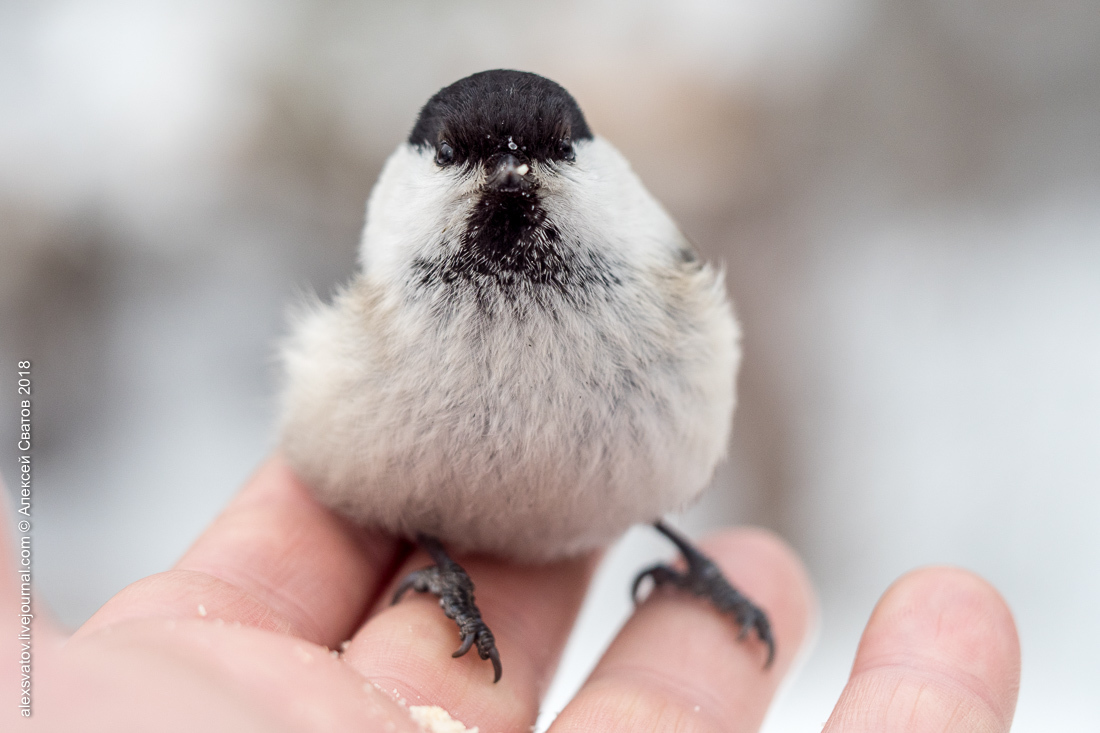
(281, 581)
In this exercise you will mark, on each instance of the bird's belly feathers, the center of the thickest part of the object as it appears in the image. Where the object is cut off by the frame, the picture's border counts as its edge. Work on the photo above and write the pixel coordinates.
(531, 437)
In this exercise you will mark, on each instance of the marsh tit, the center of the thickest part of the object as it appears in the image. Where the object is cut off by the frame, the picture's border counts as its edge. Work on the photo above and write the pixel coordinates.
(530, 359)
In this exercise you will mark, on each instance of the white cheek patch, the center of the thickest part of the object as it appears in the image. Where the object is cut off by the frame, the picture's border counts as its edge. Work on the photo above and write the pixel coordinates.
(412, 204)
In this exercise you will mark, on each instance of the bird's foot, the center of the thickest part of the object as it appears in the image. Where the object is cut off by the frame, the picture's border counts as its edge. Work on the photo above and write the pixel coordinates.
(452, 585)
(704, 579)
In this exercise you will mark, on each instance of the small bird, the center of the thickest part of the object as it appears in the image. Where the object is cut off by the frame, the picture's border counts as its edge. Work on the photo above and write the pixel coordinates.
(530, 359)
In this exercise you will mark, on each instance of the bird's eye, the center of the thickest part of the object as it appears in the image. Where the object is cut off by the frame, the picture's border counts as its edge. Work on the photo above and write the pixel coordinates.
(566, 148)
(444, 154)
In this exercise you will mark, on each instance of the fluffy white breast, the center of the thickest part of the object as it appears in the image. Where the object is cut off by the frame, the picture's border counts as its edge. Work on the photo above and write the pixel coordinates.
(532, 421)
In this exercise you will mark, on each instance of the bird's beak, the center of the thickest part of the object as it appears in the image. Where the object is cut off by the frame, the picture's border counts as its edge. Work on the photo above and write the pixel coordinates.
(510, 175)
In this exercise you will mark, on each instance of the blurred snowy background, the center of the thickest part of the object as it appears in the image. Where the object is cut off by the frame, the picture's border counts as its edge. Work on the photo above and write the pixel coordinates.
(906, 197)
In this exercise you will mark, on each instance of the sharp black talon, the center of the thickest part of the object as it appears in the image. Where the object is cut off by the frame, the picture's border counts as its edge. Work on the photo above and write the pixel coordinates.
(467, 642)
(408, 582)
(661, 574)
(638, 581)
(494, 657)
(449, 581)
(704, 579)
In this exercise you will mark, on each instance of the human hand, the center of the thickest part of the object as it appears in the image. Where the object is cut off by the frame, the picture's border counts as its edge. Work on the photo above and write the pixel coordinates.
(236, 637)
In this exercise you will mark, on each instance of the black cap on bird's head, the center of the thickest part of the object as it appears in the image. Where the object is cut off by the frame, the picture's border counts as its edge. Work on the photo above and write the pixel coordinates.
(501, 119)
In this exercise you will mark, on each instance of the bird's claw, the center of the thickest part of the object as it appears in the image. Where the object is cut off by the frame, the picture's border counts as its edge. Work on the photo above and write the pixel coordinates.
(452, 585)
(704, 579)
(486, 644)
(467, 642)
(494, 657)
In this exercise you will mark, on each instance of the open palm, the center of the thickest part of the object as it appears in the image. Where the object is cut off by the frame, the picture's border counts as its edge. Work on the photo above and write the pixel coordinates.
(237, 637)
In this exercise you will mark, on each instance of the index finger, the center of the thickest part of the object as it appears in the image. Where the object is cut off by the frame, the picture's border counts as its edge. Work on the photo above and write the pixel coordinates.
(274, 559)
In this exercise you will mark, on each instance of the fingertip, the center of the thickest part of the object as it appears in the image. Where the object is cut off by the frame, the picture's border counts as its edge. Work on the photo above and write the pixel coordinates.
(941, 647)
(951, 619)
